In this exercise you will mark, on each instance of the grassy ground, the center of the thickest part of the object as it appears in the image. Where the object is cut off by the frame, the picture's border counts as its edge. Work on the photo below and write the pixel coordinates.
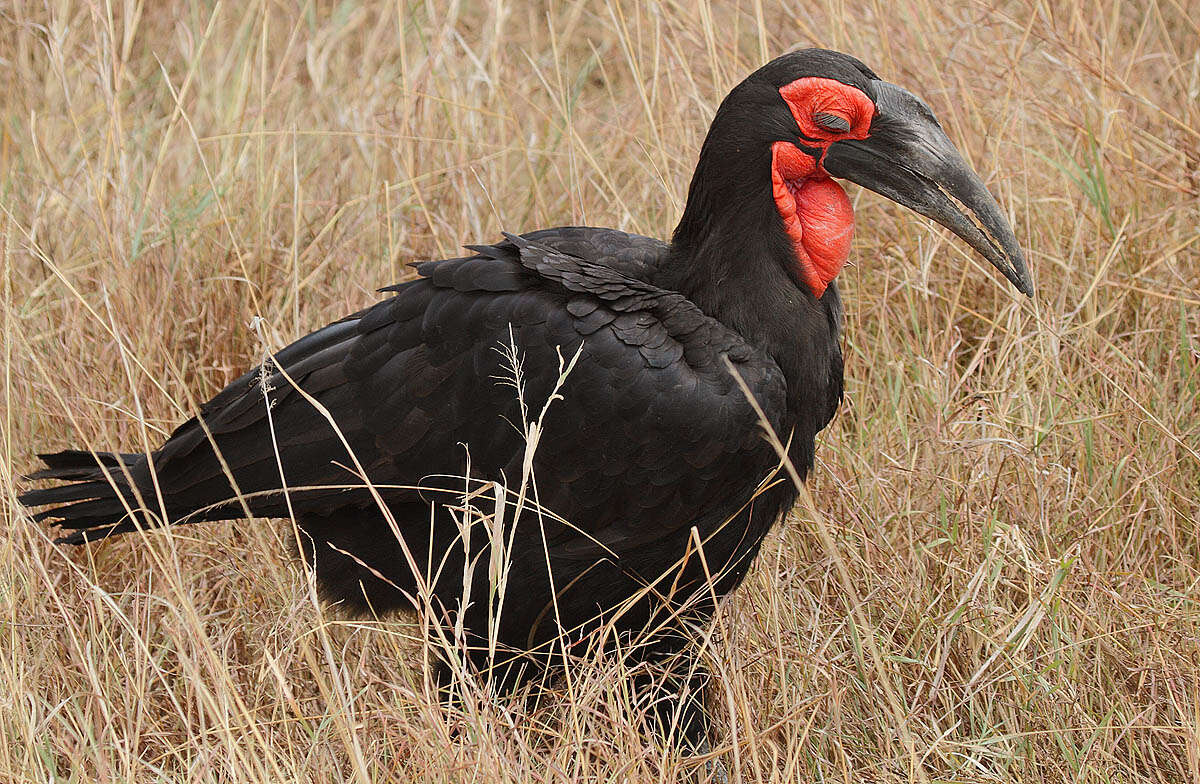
(1011, 486)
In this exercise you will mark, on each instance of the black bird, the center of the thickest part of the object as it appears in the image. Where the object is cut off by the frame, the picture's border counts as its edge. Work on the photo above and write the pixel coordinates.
(650, 473)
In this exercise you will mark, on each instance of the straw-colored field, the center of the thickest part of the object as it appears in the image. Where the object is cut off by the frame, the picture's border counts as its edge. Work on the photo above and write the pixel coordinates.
(1011, 485)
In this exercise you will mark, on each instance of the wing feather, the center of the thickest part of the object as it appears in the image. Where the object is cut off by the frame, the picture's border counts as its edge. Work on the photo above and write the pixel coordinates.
(649, 429)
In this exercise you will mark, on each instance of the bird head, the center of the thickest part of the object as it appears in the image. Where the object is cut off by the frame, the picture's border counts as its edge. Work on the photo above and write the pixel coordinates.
(814, 115)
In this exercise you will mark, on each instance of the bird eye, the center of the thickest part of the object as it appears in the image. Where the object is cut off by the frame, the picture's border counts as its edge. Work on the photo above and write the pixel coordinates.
(831, 122)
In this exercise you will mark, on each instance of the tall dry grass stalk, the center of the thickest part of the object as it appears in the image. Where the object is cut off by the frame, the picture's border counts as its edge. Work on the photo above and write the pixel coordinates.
(998, 580)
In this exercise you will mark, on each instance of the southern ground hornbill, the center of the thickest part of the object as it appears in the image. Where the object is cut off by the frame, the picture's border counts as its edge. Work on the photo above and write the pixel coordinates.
(650, 471)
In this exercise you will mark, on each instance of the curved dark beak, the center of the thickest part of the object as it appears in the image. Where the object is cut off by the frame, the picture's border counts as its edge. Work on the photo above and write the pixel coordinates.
(908, 158)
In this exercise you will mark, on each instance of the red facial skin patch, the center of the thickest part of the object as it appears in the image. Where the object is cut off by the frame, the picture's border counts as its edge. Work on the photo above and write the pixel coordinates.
(815, 210)
(813, 95)
(816, 214)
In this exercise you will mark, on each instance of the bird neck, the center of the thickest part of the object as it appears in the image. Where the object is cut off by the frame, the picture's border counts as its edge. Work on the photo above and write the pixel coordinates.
(730, 254)
(740, 278)
(732, 257)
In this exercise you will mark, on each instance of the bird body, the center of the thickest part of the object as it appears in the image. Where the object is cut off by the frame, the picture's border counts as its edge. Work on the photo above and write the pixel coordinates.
(651, 427)
(651, 370)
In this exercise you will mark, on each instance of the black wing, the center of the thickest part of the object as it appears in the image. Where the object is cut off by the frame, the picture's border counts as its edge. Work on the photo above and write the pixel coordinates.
(650, 427)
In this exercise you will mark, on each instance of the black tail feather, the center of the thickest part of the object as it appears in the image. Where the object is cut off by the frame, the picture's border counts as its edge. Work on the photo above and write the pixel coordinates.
(97, 496)
(82, 513)
(81, 490)
(82, 464)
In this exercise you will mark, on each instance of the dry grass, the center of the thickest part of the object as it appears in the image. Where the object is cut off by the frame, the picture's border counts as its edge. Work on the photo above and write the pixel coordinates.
(1011, 486)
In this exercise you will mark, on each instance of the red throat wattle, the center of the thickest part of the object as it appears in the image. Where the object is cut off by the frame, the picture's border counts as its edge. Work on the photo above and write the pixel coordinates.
(816, 215)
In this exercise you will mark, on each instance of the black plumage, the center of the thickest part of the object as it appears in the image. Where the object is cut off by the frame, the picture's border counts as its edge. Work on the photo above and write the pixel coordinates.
(652, 451)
